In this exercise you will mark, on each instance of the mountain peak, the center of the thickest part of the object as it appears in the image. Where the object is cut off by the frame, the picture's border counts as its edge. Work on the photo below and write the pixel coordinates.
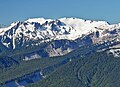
(38, 20)
(63, 28)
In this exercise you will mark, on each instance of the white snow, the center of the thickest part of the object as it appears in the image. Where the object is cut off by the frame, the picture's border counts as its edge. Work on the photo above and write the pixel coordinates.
(72, 29)
(115, 52)
(38, 20)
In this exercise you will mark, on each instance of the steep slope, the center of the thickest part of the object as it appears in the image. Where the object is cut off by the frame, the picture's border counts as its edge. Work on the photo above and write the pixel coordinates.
(39, 39)
(33, 68)
(64, 35)
(98, 70)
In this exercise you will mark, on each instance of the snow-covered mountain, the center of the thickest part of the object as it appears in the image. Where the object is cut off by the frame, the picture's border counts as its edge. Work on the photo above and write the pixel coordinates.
(64, 34)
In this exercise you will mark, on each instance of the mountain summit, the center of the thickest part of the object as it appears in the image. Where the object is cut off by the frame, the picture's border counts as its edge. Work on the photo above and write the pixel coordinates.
(86, 51)
(63, 33)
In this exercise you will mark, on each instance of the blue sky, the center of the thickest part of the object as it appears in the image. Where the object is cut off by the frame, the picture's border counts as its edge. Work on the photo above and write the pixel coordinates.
(19, 10)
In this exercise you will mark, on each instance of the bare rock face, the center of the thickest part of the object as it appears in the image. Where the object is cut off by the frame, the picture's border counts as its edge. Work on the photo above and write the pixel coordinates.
(60, 36)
